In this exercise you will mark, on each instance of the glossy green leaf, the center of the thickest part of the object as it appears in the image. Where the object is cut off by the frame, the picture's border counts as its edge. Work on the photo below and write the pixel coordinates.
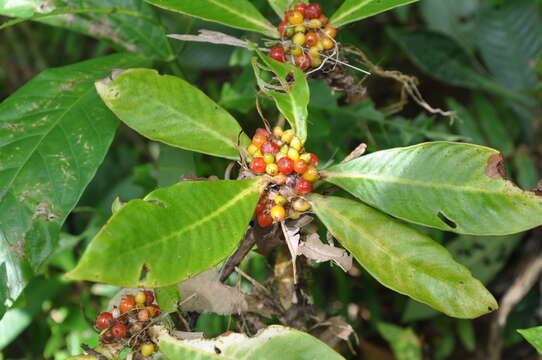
(449, 186)
(447, 61)
(133, 26)
(403, 259)
(273, 342)
(240, 14)
(172, 234)
(533, 336)
(168, 109)
(291, 97)
(354, 10)
(404, 342)
(54, 133)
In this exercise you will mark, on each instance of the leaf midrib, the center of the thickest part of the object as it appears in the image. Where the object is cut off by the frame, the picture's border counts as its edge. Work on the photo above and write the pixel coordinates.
(348, 12)
(241, 15)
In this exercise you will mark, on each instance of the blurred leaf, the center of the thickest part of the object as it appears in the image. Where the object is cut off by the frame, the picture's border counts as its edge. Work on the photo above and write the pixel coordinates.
(241, 94)
(292, 99)
(51, 147)
(447, 61)
(403, 259)
(273, 342)
(441, 185)
(168, 298)
(497, 135)
(526, 171)
(466, 125)
(168, 109)
(355, 10)
(240, 14)
(134, 26)
(173, 164)
(404, 343)
(533, 336)
(158, 241)
(281, 6)
(465, 331)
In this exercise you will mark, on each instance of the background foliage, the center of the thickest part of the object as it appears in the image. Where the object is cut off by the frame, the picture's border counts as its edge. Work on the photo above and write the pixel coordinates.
(478, 58)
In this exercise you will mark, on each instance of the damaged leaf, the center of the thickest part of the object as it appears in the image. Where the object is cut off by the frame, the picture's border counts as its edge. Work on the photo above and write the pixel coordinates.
(449, 186)
(171, 235)
(291, 94)
(240, 14)
(403, 259)
(313, 248)
(205, 293)
(271, 343)
(168, 109)
(51, 148)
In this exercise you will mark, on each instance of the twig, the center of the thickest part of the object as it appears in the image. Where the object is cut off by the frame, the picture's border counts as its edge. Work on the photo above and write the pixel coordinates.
(93, 352)
(227, 173)
(248, 242)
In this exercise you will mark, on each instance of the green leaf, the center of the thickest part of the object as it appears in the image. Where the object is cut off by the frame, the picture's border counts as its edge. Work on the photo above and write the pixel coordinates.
(280, 6)
(449, 186)
(533, 336)
(168, 298)
(132, 26)
(404, 343)
(240, 14)
(403, 259)
(447, 61)
(171, 235)
(274, 342)
(291, 97)
(354, 10)
(168, 109)
(54, 133)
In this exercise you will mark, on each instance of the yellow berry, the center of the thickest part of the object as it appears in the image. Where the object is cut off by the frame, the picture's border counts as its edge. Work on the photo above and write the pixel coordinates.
(296, 50)
(277, 131)
(269, 158)
(280, 200)
(272, 169)
(296, 143)
(300, 28)
(279, 156)
(316, 61)
(328, 43)
(299, 39)
(147, 349)
(252, 149)
(258, 153)
(320, 45)
(287, 136)
(314, 51)
(140, 298)
(284, 149)
(301, 205)
(315, 24)
(293, 154)
(294, 215)
(311, 174)
(296, 18)
(278, 213)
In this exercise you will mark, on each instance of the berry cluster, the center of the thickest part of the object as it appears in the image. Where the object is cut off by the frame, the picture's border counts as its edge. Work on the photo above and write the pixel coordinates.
(306, 37)
(280, 154)
(128, 322)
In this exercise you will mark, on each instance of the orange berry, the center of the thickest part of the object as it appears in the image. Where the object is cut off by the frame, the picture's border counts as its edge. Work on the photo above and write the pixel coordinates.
(300, 166)
(330, 31)
(311, 38)
(259, 139)
(303, 61)
(323, 19)
(311, 174)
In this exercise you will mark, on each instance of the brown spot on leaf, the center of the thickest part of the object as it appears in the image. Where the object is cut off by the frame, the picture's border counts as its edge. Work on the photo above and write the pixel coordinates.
(495, 166)
(538, 189)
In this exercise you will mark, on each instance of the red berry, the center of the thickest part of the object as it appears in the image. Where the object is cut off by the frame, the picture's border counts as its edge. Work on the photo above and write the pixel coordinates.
(258, 165)
(300, 166)
(301, 7)
(154, 310)
(118, 331)
(104, 320)
(262, 131)
(127, 303)
(143, 315)
(282, 28)
(287, 14)
(303, 61)
(313, 11)
(264, 220)
(269, 148)
(259, 139)
(150, 297)
(311, 39)
(286, 165)
(314, 160)
(260, 208)
(303, 186)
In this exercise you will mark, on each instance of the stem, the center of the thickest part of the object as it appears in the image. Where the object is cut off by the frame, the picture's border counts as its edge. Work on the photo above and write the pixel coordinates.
(64, 11)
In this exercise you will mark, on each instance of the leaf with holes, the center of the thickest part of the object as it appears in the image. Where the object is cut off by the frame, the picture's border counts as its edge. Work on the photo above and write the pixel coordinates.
(135, 26)
(354, 10)
(171, 235)
(291, 97)
(449, 186)
(240, 14)
(54, 133)
(273, 342)
(403, 259)
(168, 109)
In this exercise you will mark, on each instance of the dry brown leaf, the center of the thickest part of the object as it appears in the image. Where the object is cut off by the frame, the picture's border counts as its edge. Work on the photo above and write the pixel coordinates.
(214, 37)
(314, 249)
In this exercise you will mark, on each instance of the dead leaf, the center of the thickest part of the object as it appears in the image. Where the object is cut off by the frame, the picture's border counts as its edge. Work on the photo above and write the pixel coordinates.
(284, 277)
(214, 37)
(292, 236)
(205, 293)
(314, 249)
(495, 166)
(337, 330)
